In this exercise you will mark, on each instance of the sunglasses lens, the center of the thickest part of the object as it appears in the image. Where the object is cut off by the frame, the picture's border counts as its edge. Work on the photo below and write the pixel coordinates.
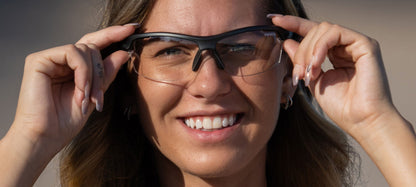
(166, 59)
(169, 59)
(249, 53)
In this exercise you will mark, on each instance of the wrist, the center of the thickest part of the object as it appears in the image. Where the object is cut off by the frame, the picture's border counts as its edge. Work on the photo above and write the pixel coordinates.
(380, 126)
(22, 158)
(390, 142)
(22, 138)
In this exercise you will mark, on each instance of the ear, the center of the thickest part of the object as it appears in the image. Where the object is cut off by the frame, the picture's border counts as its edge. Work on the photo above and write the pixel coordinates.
(287, 89)
(132, 64)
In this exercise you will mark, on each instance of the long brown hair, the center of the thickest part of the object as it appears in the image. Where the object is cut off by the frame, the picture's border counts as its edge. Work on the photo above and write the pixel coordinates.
(111, 150)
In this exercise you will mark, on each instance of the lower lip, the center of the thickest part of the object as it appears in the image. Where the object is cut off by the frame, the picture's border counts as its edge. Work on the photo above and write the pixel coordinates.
(212, 136)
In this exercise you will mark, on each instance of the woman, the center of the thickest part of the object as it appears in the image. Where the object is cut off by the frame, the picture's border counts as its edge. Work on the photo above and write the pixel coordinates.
(160, 128)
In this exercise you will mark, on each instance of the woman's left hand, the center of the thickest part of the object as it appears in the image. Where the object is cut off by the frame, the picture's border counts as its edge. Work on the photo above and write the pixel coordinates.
(354, 93)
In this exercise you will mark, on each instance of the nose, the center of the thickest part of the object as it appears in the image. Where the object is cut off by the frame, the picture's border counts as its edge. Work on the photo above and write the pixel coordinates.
(210, 81)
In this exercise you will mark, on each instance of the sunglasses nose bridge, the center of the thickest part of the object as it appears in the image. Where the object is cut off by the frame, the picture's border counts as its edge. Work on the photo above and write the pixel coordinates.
(208, 45)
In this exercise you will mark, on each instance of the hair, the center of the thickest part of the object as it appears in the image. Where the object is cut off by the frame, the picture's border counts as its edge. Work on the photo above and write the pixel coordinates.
(111, 150)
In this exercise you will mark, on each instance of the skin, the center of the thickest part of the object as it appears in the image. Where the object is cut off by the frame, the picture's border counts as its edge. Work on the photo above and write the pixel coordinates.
(58, 81)
(240, 159)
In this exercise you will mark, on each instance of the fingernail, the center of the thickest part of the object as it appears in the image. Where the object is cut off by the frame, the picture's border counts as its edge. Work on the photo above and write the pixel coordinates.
(308, 69)
(271, 16)
(87, 91)
(295, 80)
(100, 101)
(136, 25)
(307, 78)
(130, 53)
(85, 103)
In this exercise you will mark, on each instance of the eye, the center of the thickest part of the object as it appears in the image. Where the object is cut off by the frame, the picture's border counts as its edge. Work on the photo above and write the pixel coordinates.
(242, 48)
(171, 52)
(238, 49)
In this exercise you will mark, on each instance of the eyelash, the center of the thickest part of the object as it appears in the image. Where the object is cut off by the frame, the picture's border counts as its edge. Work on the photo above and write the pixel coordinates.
(165, 52)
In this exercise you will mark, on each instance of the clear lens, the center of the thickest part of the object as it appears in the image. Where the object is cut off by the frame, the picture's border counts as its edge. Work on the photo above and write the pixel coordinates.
(169, 59)
(166, 59)
(249, 53)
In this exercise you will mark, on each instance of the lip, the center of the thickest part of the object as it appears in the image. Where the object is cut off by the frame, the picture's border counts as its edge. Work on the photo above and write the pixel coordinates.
(211, 136)
(199, 113)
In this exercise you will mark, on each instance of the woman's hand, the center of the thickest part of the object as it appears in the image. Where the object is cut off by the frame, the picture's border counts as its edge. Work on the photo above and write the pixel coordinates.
(60, 88)
(355, 93)
(356, 90)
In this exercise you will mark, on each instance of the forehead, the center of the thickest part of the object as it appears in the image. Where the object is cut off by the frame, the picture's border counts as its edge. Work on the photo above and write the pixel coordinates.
(204, 17)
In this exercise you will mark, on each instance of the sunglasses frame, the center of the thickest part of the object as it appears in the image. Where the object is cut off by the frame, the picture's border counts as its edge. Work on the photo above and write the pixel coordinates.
(205, 42)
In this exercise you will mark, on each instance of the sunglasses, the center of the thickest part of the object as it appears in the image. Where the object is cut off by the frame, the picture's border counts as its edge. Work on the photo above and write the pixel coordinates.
(175, 58)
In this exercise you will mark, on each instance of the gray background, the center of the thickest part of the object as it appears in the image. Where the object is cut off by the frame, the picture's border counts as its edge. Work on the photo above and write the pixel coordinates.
(29, 26)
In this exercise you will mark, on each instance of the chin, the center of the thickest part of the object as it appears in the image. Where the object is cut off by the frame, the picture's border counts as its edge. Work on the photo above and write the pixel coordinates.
(220, 162)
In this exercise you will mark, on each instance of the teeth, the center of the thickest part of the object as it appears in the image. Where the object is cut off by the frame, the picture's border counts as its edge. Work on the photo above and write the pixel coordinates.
(210, 123)
(198, 124)
(206, 123)
(216, 124)
(225, 122)
(190, 123)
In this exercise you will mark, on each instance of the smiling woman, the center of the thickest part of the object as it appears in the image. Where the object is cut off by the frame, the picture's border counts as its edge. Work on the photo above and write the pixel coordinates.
(195, 99)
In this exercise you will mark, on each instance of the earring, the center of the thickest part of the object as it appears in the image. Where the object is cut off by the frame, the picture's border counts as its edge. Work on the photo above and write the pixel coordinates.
(289, 102)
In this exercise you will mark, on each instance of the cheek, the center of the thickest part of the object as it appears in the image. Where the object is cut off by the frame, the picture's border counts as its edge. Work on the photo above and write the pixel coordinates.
(155, 100)
(264, 98)
(263, 91)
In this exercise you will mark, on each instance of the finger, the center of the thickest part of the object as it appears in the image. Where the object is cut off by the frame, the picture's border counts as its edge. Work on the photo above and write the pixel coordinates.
(315, 60)
(107, 36)
(294, 24)
(301, 57)
(291, 46)
(85, 76)
(67, 62)
(342, 41)
(112, 65)
(97, 93)
(335, 39)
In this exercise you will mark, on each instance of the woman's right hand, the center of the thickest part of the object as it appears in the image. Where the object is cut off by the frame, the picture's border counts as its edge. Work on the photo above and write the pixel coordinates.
(60, 88)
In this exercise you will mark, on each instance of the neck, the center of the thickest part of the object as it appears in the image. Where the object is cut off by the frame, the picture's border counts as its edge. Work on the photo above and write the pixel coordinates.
(253, 174)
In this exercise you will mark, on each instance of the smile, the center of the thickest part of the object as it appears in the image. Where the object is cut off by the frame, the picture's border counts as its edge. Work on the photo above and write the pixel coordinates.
(209, 123)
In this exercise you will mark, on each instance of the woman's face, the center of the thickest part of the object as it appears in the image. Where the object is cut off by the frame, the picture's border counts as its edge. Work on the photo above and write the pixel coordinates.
(251, 103)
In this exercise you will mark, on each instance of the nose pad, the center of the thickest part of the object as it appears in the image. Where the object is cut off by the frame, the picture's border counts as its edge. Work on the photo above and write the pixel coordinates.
(198, 60)
(208, 81)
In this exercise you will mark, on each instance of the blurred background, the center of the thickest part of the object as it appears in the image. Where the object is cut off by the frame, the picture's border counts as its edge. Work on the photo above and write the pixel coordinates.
(30, 26)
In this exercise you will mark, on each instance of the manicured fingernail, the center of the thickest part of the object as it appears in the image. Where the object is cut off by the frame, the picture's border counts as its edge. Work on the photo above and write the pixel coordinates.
(87, 90)
(307, 78)
(136, 25)
(308, 69)
(295, 80)
(130, 53)
(85, 103)
(271, 16)
(100, 101)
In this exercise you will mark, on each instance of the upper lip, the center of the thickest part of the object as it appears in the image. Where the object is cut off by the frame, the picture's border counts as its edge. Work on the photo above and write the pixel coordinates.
(208, 113)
